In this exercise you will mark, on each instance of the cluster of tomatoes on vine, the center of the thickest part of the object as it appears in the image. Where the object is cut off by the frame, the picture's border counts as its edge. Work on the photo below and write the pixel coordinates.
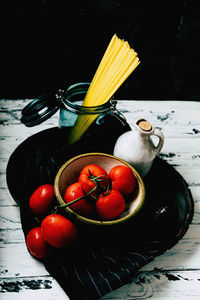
(96, 194)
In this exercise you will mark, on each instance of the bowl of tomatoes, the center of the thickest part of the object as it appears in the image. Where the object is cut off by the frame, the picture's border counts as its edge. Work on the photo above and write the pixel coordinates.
(99, 189)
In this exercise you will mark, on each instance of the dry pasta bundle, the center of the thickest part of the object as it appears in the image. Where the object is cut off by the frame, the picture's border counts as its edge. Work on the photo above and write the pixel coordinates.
(117, 64)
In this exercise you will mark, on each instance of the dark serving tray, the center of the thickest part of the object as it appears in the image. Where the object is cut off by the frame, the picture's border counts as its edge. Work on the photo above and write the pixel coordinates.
(117, 253)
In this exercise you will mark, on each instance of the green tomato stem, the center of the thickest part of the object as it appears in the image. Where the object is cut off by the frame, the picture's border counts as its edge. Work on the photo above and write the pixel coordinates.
(76, 200)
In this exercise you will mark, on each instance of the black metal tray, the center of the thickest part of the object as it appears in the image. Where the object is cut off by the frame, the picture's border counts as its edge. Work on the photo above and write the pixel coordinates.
(162, 222)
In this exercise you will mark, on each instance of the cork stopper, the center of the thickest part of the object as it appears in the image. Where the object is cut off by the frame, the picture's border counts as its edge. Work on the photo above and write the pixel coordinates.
(144, 125)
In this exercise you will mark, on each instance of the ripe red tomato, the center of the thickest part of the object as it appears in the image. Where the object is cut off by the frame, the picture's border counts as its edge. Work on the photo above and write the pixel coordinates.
(36, 244)
(42, 199)
(110, 206)
(77, 190)
(58, 231)
(123, 179)
(92, 173)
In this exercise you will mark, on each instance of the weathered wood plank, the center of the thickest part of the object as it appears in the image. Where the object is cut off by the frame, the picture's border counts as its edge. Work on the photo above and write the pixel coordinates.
(147, 285)
(160, 109)
(159, 285)
(195, 190)
(41, 288)
(169, 116)
(183, 256)
(17, 262)
(5, 197)
(20, 132)
(10, 237)
(10, 217)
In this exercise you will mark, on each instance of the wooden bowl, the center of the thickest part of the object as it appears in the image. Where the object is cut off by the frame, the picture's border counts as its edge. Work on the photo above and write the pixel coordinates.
(69, 173)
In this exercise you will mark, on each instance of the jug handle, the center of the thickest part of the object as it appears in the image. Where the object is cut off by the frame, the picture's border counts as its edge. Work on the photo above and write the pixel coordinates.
(160, 135)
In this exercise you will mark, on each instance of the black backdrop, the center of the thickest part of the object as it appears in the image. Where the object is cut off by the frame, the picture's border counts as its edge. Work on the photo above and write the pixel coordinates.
(51, 44)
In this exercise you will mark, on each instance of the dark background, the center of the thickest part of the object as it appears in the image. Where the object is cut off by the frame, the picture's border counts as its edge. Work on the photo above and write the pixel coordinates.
(51, 44)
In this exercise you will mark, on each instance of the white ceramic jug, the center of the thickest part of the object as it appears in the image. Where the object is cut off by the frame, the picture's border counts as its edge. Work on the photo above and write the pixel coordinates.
(137, 147)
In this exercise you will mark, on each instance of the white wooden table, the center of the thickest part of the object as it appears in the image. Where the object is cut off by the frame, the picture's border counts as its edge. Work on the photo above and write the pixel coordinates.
(175, 274)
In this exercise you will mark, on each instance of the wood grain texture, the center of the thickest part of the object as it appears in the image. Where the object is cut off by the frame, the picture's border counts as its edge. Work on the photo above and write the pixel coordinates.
(159, 285)
(173, 274)
(42, 287)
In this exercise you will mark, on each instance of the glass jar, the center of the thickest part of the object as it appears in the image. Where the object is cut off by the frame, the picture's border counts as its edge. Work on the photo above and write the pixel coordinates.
(108, 122)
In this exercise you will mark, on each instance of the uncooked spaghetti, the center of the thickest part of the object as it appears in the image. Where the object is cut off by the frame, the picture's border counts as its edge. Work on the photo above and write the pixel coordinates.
(118, 62)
